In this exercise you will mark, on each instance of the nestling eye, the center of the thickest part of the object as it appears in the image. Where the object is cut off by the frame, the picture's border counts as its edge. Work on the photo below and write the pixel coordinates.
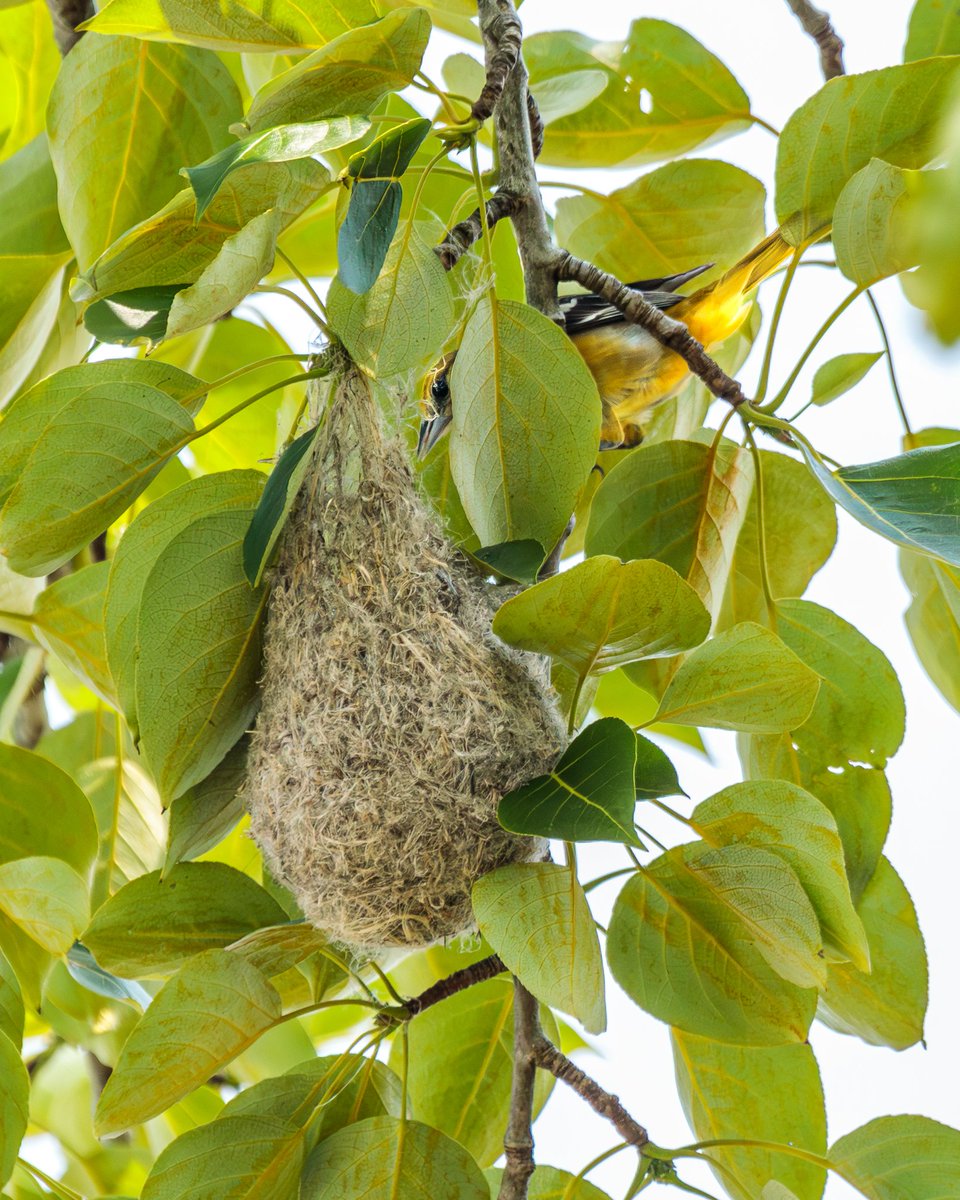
(440, 389)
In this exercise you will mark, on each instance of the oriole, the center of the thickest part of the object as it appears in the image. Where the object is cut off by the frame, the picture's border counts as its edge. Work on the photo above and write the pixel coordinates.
(633, 371)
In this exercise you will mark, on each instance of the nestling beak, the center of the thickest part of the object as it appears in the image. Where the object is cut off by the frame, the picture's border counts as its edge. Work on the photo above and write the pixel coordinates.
(432, 430)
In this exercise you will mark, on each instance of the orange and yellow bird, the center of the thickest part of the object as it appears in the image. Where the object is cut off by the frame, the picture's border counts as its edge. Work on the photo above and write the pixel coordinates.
(632, 369)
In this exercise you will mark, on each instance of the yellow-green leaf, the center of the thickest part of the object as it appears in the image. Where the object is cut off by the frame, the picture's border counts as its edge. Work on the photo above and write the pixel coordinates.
(745, 679)
(68, 619)
(14, 1105)
(768, 1093)
(871, 233)
(933, 619)
(213, 1008)
(840, 374)
(29, 63)
(900, 1158)
(683, 948)
(886, 1006)
(536, 917)
(526, 424)
(149, 109)
(46, 899)
(198, 632)
(934, 29)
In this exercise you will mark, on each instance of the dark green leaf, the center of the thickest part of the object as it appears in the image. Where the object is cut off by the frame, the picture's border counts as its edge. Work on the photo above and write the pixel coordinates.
(366, 233)
(913, 499)
(655, 774)
(274, 505)
(520, 561)
(389, 155)
(135, 317)
(205, 814)
(84, 969)
(589, 795)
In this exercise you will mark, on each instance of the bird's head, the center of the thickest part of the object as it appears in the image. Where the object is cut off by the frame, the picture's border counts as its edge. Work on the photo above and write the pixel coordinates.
(437, 406)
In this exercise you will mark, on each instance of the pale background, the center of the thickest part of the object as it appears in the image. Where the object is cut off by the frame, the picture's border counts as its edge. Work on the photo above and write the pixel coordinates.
(778, 66)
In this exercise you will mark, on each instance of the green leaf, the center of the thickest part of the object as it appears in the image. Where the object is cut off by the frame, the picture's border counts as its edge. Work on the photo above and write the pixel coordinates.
(18, 595)
(354, 71)
(32, 413)
(681, 214)
(275, 504)
(590, 794)
(84, 969)
(870, 224)
(241, 262)
(68, 619)
(682, 947)
(770, 1093)
(232, 1158)
(14, 1105)
(933, 619)
(563, 94)
(800, 531)
(666, 94)
(787, 821)
(375, 198)
(11, 1004)
(27, 829)
(856, 724)
(212, 1009)
(520, 561)
(912, 499)
(550, 1183)
(249, 26)
(403, 320)
(526, 424)
(603, 613)
(840, 374)
(745, 679)
(153, 924)
(171, 248)
(140, 548)
(536, 917)
(46, 899)
(378, 1159)
(891, 114)
(195, 695)
(680, 502)
(97, 439)
(934, 29)
(206, 813)
(283, 143)
(885, 1007)
(900, 1158)
(460, 1066)
(655, 774)
(29, 63)
(136, 317)
(153, 106)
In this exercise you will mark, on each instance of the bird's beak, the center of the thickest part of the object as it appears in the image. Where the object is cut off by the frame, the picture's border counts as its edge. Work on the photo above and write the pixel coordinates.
(431, 431)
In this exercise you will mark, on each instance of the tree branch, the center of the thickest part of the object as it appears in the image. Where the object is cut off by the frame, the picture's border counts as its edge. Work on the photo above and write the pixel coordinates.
(518, 1140)
(458, 240)
(668, 332)
(819, 26)
(502, 35)
(66, 16)
(443, 989)
(549, 1058)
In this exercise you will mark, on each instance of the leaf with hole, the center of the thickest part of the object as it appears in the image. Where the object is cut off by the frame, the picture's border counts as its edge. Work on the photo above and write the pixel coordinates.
(535, 916)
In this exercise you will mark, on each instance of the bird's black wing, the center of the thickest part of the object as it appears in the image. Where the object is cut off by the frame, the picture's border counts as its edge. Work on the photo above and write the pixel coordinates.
(586, 310)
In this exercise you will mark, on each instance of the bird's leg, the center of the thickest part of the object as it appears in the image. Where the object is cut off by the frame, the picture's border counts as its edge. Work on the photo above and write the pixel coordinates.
(552, 564)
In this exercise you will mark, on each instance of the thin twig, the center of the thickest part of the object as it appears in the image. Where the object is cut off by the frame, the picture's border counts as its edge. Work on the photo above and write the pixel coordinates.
(819, 26)
(443, 989)
(66, 16)
(668, 332)
(518, 1140)
(458, 240)
(549, 1058)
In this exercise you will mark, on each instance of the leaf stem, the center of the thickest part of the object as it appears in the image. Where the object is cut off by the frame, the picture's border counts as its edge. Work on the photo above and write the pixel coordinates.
(693, 1150)
(245, 370)
(890, 368)
(761, 389)
(765, 125)
(317, 373)
(276, 290)
(311, 291)
(814, 342)
(762, 530)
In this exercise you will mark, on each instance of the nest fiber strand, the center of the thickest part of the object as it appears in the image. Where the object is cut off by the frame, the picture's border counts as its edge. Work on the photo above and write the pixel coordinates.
(392, 720)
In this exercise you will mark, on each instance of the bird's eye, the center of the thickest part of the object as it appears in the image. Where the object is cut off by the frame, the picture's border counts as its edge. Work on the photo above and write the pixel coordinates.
(440, 389)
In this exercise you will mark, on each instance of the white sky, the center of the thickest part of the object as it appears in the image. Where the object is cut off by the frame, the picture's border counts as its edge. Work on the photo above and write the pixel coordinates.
(779, 68)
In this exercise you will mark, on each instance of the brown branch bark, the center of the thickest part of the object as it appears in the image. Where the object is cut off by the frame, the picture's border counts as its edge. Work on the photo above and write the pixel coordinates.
(819, 26)
(518, 1140)
(66, 16)
(458, 240)
(668, 332)
(549, 1058)
(443, 989)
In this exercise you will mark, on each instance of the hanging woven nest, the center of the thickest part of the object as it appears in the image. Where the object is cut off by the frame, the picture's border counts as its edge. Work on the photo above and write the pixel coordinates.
(392, 720)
